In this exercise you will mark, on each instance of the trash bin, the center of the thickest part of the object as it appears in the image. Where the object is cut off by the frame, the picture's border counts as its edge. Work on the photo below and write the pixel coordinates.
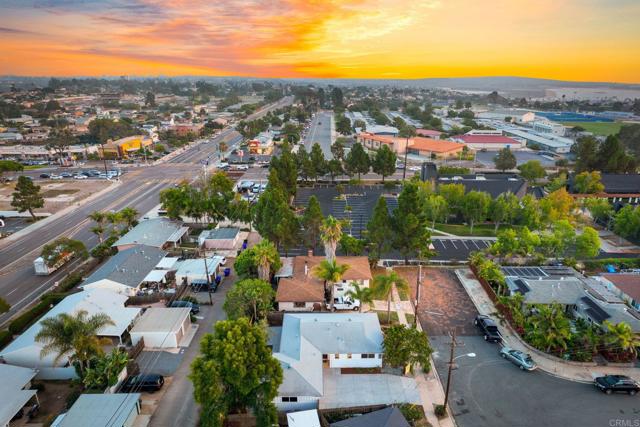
(244, 245)
(227, 272)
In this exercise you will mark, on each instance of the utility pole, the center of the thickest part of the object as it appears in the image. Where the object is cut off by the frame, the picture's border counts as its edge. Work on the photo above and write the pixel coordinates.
(418, 283)
(453, 346)
(206, 271)
(406, 151)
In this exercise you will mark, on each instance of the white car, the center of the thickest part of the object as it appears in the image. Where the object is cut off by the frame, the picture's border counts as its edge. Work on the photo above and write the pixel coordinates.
(80, 176)
(345, 303)
(242, 167)
(54, 176)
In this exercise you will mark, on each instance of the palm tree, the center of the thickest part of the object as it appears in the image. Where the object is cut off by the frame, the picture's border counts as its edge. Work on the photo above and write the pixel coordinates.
(73, 333)
(362, 294)
(330, 272)
(383, 285)
(550, 327)
(128, 216)
(266, 255)
(621, 337)
(100, 218)
(331, 231)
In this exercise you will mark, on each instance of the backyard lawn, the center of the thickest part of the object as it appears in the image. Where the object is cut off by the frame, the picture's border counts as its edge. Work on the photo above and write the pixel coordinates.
(598, 128)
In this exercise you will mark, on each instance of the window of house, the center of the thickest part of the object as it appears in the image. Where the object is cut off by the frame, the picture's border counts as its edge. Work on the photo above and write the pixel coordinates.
(325, 357)
(336, 356)
(368, 356)
(380, 356)
(299, 304)
(349, 356)
(290, 399)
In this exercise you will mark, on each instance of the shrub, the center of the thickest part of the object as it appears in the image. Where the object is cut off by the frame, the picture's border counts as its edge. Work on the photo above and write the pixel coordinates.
(70, 282)
(411, 412)
(440, 411)
(5, 337)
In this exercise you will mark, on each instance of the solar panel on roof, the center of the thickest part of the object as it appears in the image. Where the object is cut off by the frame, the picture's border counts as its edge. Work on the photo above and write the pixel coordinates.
(522, 286)
(595, 311)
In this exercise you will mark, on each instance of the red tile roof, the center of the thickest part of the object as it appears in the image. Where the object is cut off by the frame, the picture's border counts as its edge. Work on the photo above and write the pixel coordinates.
(627, 283)
(433, 145)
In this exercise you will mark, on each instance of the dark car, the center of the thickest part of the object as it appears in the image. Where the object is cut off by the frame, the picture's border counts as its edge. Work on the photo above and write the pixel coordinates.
(488, 327)
(66, 175)
(616, 383)
(195, 308)
(143, 382)
(45, 176)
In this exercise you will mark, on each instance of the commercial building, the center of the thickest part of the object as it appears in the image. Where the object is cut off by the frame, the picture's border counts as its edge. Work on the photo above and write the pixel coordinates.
(548, 127)
(516, 115)
(416, 145)
(261, 144)
(490, 142)
(124, 147)
(556, 144)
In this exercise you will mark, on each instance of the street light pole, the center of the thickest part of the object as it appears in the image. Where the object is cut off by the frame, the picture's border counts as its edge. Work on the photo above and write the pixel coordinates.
(453, 346)
(418, 283)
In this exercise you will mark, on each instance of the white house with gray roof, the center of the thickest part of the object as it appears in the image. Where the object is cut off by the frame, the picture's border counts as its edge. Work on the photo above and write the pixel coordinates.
(156, 232)
(102, 410)
(308, 342)
(125, 271)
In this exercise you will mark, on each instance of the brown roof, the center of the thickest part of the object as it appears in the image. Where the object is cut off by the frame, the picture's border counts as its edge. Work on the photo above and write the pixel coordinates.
(627, 283)
(303, 287)
(437, 146)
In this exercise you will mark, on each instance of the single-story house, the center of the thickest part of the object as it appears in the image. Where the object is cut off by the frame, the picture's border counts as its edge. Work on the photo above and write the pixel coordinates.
(299, 290)
(307, 342)
(224, 238)
(155, 232)
(387, 417)
(102, 410)
(546, 290)
(627, 286)
(25, 350)
(307, 418)
(162, 327)
(195, 270)
(429, 133)
(15, 391)
(594, 310)
(126, 270)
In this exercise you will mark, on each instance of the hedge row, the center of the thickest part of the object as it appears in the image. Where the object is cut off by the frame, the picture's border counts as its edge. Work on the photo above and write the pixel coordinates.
(618, 262)
(5, 337)
(26, 319)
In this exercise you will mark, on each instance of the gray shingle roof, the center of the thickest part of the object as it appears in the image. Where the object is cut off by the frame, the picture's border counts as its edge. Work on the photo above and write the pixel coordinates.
(387, 417)
(151, 232)
(128, 267)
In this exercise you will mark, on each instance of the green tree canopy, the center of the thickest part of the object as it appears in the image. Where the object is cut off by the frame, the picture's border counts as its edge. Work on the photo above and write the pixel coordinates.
(27, 196)
(406, 347)
(379, 231)
(235, 372)
(587, 243)
(250, 298)
(411, 234)
(9, 166)
(505, 159)
(63, 247)
(311, 222)
(475, 207)
(357, 161)
(384, 162)
(588, 182)
(532, 170)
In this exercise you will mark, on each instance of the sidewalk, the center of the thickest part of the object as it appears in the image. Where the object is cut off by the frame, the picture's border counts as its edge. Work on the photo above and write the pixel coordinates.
(429, 385)
(553, 366)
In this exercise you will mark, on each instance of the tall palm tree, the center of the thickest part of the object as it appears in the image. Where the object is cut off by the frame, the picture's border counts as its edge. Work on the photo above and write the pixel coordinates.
(362, 294)
(550, 327)
(383, 285)
(330, 272)
(331, 232)
(73, 333)
(128, 217)
(100, 218)
(621, 337)
(266, 255)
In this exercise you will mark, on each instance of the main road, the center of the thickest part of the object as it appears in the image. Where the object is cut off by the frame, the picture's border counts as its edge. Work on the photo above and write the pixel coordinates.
(320, 131)
(139, 189)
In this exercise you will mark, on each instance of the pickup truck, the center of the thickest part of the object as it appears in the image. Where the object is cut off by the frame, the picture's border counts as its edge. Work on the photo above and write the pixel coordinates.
(488, 328)
(347, 303)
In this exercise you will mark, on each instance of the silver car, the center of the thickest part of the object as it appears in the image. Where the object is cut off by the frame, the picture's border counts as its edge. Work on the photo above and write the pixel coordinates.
(518, 358)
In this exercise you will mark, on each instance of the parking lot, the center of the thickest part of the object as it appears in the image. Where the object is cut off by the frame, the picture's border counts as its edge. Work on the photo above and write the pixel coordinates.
(458, 249)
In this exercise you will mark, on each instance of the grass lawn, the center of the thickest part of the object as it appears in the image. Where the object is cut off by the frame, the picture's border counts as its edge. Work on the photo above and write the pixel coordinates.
(598, 128)
(480, 230)
(382, 317)
(31, 167)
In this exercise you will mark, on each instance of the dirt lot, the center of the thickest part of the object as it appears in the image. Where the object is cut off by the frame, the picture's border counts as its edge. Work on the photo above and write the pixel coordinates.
(58, 194)
(444, 304)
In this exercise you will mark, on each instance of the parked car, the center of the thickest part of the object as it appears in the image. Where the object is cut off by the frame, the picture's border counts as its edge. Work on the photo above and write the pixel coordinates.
(195, 308)
(45, 176)
(488, 327)
(616, 383)
(54, 176)
(255, 188)
(241, 167)
(223, 261)
(342, 303)
(518, 358)
(66, 175)
(143, 382)
(80, 176)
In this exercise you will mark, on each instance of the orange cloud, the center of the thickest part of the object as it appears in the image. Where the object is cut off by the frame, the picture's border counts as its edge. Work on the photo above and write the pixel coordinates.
(573, 39)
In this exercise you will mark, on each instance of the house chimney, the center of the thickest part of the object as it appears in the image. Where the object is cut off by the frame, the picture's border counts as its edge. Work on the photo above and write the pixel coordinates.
(306, 269)
(310, 253)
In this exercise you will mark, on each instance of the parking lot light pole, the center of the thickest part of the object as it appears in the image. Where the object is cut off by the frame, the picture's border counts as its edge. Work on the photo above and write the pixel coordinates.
(451, 360)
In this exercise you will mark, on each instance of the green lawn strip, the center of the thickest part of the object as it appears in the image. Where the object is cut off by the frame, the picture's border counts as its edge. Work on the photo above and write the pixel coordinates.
(597, 128)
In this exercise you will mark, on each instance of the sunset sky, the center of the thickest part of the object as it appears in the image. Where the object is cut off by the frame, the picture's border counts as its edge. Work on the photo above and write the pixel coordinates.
(589, 40)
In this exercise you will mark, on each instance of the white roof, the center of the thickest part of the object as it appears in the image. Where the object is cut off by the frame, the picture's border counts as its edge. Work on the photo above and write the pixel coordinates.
(155, 276)
(12, 395)
(26, 350)
(161, 319)
(195, 266)
(167, 263)
(103, 410)
(303, 419)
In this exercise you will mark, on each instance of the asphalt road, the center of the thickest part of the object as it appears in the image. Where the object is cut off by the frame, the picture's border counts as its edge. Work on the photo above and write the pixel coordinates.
(320, 132)
(139, 189)
(488, 391)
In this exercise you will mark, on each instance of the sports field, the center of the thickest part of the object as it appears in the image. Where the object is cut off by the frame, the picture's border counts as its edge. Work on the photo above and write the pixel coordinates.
(597, 128)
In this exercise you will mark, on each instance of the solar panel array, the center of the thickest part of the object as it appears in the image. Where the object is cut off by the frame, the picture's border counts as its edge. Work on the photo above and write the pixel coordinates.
(524, 271)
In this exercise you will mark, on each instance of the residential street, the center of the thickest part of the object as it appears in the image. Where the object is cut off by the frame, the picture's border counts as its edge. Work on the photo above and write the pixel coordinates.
(320, 132)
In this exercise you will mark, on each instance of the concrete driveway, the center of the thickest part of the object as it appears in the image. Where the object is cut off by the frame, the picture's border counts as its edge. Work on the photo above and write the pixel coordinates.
(343, 391)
